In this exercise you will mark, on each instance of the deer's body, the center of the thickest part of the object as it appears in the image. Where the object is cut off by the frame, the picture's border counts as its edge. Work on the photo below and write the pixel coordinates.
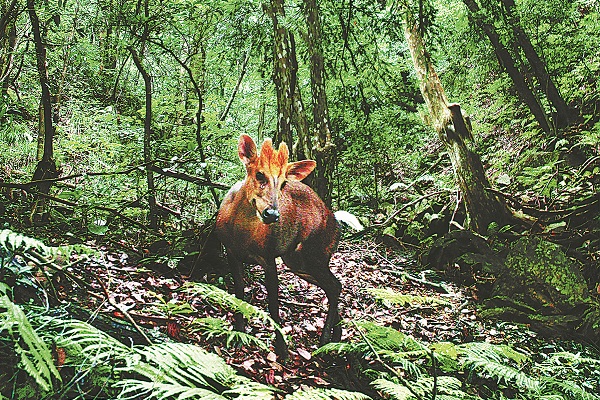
(272, 214)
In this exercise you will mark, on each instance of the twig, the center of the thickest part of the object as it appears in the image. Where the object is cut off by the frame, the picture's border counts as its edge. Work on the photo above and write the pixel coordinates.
(121, 309)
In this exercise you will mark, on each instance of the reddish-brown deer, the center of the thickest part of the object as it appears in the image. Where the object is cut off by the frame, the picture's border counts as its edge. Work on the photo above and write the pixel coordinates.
(272, 214)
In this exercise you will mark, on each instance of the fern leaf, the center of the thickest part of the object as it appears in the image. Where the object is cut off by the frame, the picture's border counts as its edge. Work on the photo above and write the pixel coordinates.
(325, 394)
(225, 300)
(569, 388)
(385, 338)
(394, 390)
(342, 348)
(217, 328)
(487, 358)
(35, 356)
(391, 297)
(183, 370)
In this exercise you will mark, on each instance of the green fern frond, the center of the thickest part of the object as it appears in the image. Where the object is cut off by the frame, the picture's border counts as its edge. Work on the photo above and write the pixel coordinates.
(184, 370)
(447, 388)
(225, 300)
(325, 394)
(87, 345)
(568, 358)
(219, 329)
(16, 242)
(385, 338)
(496, 352)
(571, 389)
(391, 297)
(492, 361)
(393, 389)
(342, 348)
(35, 357)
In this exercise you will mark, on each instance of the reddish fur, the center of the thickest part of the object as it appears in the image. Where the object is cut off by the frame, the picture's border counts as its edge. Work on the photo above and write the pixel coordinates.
(305, 236)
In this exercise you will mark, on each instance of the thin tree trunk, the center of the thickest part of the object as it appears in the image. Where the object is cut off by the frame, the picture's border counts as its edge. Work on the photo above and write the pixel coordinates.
(8, 41)
(237, 86)
(483, 207)
(153, 215)
(509, 64)
(324, 151)
(563, 113)
(46, 167)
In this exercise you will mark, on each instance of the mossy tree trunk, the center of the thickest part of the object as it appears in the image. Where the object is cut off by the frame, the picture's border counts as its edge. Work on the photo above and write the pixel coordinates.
(324, 151)
(483, 207)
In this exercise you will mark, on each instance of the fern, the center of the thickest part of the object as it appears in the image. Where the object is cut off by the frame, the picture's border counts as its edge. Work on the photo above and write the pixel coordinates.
(570, 388)
(217, 328)
(490, 360)
(35, 357)
(221, 298)
(447, 388)
(391, 297)
(385, 338)
(186, 371)
(160, 371)
(325, 394)
(17, 243)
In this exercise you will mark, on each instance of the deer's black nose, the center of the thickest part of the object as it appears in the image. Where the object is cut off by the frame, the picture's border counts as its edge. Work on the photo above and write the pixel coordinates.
(270, 215)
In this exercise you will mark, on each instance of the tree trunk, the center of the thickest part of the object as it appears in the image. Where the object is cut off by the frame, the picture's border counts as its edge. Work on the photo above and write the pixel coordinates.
(152, 212)
(46, 167)
(483, 207)
(290, 109)
(563, 113)
(324, 151)
(8, 41)
(237, 86)
(509, 64)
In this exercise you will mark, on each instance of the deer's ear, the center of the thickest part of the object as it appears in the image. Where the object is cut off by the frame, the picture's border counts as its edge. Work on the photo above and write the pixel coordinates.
(246, 149)
(299, 170)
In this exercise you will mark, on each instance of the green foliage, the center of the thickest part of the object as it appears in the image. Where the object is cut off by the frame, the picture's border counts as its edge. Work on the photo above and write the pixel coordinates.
(166, 370)
(391, 297)
(325, 394)
(220, 298)
(33, 353)
(215, 328)
(461, 370)
(181, 370)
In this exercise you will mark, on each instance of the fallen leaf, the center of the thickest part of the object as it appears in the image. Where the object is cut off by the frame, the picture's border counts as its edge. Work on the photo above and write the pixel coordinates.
(304, 354)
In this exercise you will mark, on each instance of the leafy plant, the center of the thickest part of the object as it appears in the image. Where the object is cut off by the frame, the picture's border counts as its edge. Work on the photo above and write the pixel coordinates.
(218, 329)
(33, 353)
(220, 298)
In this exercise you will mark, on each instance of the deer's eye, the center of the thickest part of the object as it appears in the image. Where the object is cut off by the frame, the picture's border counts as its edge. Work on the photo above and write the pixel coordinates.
(260, 177)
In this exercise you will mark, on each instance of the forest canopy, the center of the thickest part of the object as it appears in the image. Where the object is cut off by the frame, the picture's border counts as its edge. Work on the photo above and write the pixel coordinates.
(464, 135)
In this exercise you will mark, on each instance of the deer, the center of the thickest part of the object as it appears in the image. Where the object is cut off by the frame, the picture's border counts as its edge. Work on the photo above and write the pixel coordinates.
(271, 214)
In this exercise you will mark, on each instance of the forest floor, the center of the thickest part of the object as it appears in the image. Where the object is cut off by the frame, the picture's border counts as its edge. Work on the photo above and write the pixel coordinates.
(145, 295)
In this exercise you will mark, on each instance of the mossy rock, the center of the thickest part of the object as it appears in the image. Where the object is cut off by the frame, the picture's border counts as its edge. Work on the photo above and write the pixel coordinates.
(538, 273)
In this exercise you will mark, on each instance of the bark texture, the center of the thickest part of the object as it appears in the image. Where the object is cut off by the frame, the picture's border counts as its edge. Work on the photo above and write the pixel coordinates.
(483, 207)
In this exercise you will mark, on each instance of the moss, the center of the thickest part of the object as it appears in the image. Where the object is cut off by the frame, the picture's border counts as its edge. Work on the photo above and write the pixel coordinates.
(546, 273)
